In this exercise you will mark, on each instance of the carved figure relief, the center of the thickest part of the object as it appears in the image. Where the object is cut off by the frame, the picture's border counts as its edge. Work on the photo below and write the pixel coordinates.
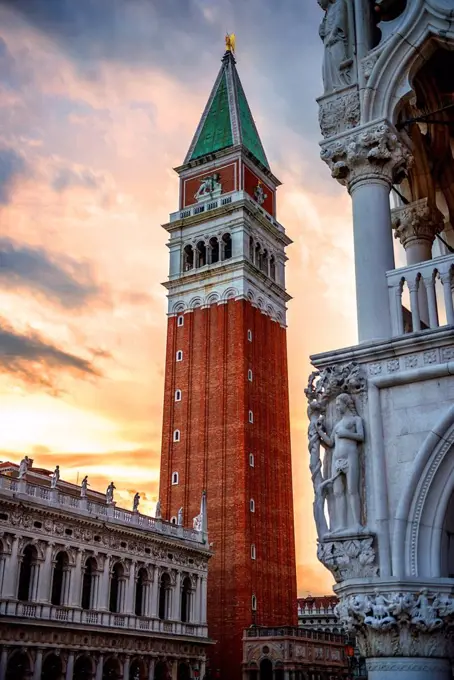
(337, 480)
(342, 447)
(339, 112)
(210, 187)
(334, 32)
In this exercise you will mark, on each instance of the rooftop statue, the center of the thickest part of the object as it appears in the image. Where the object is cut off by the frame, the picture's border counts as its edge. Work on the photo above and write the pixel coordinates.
(110, 492)
(135, 503)
(83, 487)
(23, 467)
(55, 477)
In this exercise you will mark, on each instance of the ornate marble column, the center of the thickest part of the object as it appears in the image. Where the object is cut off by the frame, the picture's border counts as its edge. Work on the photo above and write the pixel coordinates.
(38, 665)
(45, 575)
(70, 666)
(368, 161)
(404, 631)
(416, 226)
(3, 662)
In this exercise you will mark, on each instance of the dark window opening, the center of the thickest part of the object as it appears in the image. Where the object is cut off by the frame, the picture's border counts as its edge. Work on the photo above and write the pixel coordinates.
(188, 258)
(27, 573)
(87, 583)
(186, 600)
(227, 246)
(164, 596)
(214, 245)
(61, 563)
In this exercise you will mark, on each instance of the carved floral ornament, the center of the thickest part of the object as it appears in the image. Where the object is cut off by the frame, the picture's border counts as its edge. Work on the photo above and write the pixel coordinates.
(339, 112)
(377, 151)
(416, 222)
(399, 623)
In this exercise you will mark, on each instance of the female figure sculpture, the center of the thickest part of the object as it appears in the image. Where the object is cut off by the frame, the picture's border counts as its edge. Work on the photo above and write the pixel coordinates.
(347, 434)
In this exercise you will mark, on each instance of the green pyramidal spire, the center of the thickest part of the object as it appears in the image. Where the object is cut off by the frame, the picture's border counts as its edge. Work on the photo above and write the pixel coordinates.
(227, 119)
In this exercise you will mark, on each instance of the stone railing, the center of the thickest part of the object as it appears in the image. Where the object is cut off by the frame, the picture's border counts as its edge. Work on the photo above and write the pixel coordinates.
(99, 510)
(293, 631)
(220, 202)
(49, 612)
(428, 310)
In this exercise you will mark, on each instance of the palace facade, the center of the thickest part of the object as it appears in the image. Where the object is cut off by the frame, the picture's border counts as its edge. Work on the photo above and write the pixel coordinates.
(90, 591)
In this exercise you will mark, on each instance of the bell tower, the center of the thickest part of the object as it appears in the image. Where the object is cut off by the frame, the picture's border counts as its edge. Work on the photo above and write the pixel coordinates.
(226, 407)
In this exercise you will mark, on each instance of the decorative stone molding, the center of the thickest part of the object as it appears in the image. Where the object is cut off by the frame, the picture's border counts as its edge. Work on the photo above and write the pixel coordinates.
(339, 112)
(368, 65)
(394, 665)
(349, 557)
(400, 623)
(370, 153)
(417, 222)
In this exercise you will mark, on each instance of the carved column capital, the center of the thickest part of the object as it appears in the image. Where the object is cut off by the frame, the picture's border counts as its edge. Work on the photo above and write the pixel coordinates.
(369, 153)
(400, 623)
(417, 222)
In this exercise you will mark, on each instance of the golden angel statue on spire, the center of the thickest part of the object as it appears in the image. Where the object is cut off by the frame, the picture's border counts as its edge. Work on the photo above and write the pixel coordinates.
(230, 42)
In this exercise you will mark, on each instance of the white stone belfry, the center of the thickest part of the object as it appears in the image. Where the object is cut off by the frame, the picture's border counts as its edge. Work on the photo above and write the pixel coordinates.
(381, 414)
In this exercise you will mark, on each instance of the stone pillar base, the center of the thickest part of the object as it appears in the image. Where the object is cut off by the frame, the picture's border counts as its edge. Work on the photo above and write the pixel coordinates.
(408, 668)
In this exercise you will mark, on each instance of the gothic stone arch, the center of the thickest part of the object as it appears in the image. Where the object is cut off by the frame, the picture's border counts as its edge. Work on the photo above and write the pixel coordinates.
(422, 508)
(426, 26)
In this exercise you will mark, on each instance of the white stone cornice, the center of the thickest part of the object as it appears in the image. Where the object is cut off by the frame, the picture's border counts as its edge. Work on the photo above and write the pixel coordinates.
(376, 151)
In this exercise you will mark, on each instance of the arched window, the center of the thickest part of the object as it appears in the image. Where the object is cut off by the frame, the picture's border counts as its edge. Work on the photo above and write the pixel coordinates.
(18, 667)
(264, 262)
(141, 589)
(28, 575)
(251, 460)
(251, 249)
(60, 579)
(251, 417)
(253, 552)
(188, 258)
(186, 600)
(254, 603)
(249, 375)
(273, 267)
(258, 256)
(117, 587)
(180, 320)
(252, 505)
(175, 478)
(112, 669)
(177, 395)
(176, 435)
(83, 668)
(201, 254)
(214, 246)
(249, 336)
(173, 520)
(179, 355)
(88, 589)
(164, 596)
(52, 667)
(227, 239)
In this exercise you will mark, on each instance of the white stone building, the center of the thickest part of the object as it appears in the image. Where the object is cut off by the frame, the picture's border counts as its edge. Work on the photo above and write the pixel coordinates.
(319, 612)
(381, 413)
(92, 591)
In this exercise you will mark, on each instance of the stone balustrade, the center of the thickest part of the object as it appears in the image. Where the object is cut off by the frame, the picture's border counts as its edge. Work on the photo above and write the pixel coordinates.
(46, 612)
(220, 202)
(428, 311)
(96, 510)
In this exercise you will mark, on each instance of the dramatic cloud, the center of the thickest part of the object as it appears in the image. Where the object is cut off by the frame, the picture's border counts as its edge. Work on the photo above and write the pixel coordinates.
(12, 165)
(35, 360)
(60, 279)
(67, 177)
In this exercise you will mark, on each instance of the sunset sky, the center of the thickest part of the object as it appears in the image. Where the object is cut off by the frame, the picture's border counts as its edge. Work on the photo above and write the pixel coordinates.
(99, 100)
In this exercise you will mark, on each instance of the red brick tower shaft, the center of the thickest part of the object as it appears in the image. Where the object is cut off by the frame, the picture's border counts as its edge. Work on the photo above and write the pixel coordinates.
(226, 412)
